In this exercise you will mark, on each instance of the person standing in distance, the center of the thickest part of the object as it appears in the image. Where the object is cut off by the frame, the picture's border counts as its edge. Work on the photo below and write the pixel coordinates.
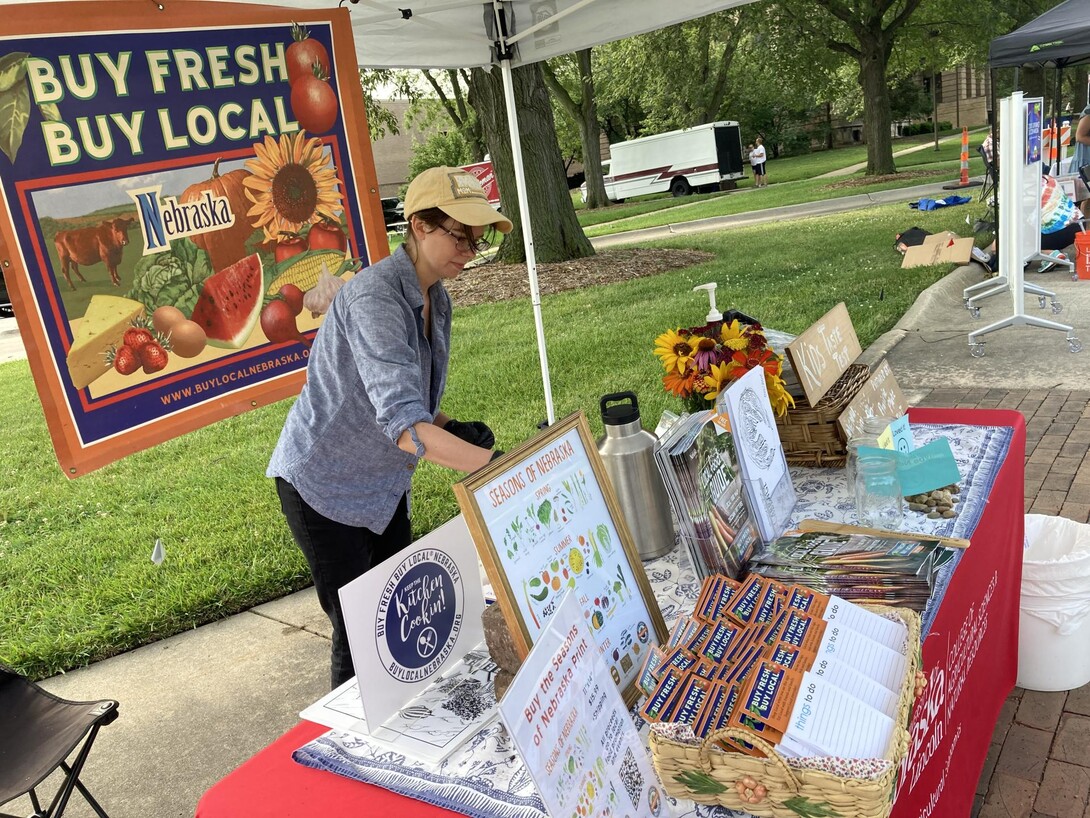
(758, 158)
(369, 411)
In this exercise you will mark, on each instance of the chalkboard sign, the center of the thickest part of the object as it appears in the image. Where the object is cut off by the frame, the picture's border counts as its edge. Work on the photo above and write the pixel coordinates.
(821, 354)
(545, 520)
(880, 396)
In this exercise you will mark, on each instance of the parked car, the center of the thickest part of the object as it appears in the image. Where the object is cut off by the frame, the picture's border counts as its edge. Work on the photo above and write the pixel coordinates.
(393, 211)
(5, 302)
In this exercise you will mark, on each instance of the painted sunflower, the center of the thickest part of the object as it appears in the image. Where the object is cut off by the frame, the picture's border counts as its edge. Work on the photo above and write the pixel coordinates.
(292, 182)
(674, 349)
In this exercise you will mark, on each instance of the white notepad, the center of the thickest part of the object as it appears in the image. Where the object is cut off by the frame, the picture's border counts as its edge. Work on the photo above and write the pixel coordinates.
(884, 665)
(835, 723)
(851, 681)
(873, 626)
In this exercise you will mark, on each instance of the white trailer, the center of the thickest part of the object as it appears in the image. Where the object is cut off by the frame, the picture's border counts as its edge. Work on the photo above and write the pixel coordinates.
(707, 157)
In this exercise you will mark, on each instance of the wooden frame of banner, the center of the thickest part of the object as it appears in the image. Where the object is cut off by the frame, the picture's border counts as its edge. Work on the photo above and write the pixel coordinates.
(19, 263)
(495, 563)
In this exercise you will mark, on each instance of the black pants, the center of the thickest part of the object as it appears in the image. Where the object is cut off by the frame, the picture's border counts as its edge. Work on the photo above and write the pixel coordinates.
(337, 554)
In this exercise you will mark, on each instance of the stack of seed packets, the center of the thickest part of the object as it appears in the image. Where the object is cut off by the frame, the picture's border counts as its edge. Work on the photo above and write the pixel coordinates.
(813, 674)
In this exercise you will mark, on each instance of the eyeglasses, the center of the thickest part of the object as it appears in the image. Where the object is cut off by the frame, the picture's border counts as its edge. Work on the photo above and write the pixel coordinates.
(465, 244)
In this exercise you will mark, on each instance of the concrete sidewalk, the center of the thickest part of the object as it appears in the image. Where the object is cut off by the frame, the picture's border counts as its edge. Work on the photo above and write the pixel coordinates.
(196, 705)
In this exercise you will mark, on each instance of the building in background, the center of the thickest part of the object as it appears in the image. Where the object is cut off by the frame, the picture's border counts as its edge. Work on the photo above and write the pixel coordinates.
(393, 152)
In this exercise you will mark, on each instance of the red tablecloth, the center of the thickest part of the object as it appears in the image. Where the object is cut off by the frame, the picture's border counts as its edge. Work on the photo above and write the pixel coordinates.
(970, 656)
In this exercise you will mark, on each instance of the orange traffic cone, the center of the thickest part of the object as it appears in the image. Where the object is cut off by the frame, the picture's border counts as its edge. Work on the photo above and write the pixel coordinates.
(963, 180)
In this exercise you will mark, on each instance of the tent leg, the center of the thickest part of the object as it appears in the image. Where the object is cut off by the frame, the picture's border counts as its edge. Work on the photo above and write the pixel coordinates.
(527, 232)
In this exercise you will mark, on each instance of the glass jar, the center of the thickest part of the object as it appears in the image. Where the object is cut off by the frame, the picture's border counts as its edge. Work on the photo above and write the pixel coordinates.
(878, 499)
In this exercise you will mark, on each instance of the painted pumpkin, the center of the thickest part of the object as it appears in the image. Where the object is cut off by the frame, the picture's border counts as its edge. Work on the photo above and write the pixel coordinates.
(227, 245)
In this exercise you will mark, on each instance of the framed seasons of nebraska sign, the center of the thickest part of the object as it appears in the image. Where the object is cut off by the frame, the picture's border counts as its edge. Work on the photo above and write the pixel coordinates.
(174, 180)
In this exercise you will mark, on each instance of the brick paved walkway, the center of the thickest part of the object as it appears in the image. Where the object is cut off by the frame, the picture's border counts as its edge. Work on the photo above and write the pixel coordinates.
(1039, 760)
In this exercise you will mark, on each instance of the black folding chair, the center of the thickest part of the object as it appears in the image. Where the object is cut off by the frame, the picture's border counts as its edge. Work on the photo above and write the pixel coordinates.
(38, 732)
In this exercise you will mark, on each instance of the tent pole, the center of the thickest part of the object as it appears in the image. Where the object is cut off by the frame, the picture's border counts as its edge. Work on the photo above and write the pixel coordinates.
(527, 231)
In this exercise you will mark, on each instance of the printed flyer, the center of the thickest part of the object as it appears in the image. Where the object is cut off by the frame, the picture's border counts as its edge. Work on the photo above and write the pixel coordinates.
(178, 191)
(573, 730)
(553, 532)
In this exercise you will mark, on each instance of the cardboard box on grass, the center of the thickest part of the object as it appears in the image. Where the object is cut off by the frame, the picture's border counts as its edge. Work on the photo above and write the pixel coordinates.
(939, 248)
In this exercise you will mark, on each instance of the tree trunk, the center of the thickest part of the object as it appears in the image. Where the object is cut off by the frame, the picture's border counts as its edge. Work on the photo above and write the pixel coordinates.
(556, 231)
(590, 133)
(876, 113)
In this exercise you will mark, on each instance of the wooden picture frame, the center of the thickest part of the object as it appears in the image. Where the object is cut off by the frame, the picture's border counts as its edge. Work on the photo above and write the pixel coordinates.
(545, 520)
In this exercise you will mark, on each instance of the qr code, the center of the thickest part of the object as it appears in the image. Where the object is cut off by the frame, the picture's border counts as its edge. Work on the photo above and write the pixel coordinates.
(631, 777)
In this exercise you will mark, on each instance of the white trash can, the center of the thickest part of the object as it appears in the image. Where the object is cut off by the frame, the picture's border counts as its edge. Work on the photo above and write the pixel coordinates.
(1054, 619)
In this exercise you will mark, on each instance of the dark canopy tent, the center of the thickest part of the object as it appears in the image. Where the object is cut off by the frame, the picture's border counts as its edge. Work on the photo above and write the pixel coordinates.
(1058, 38)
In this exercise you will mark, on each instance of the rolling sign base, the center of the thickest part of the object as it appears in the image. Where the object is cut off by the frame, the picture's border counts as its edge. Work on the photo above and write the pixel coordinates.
(997, 285)
(976, 348)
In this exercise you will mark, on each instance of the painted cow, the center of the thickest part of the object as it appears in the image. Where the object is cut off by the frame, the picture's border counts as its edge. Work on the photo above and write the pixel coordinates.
(90, 245)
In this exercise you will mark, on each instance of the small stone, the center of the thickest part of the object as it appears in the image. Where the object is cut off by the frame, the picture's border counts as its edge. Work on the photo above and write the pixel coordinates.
(934, 515)
(955, 489)
(949, 513)
(917, 506)
(943, 507)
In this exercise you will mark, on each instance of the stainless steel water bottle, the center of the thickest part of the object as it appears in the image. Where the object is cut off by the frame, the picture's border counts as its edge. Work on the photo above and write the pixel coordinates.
(628, 453)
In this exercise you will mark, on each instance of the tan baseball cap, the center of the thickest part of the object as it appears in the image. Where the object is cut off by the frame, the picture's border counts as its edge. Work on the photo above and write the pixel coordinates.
(458, 194)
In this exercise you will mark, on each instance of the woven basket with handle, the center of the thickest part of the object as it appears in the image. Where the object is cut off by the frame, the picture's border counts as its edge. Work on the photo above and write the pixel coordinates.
(768, 787)
(810, 434)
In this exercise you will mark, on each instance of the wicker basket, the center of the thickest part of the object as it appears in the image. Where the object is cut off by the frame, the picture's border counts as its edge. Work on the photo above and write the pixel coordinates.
(791, 792)
(810, 434)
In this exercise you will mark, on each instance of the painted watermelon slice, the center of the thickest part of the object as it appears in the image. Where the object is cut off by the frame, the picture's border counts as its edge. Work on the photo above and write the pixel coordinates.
(230, 303)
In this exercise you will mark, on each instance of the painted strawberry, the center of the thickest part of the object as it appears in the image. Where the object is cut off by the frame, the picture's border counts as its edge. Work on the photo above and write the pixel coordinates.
(153, 357)
(136, 338)
(123, 359)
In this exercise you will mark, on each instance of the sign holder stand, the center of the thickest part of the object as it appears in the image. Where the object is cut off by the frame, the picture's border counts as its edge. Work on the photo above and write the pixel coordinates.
(1019, 198)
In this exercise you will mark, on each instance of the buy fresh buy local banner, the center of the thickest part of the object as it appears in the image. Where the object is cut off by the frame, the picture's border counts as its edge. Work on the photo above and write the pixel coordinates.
(179, 188)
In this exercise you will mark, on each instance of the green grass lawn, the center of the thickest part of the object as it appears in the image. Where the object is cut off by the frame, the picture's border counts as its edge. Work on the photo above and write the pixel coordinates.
(76, 580)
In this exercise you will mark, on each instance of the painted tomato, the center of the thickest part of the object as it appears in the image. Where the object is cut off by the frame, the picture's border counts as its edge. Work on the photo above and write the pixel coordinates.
(291, 244)
(303, 53)
(327, 235)
(314, 104)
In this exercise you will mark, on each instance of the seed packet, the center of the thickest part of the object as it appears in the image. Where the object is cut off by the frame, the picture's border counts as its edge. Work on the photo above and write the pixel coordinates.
(783, 653)
(699, 637)
(719, 641)
(661, 703)
(743, 605)
(651, 671)
(725, 593)
(803, 631)
(689, 700)
(680, 659)
(766, 701)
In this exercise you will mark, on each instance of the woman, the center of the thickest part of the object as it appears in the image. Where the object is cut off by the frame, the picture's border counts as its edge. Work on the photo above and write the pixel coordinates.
(1081, 158)
(369, 411)
(758, 158)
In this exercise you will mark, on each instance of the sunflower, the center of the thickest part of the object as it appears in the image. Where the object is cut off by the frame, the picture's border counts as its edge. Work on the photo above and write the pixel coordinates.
(674, 349)
(292, 183)
(734, 336)
(721, 376)
(778, 395)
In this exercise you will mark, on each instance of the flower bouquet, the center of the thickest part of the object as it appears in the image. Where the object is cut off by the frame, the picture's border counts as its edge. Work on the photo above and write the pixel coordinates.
(700, 362)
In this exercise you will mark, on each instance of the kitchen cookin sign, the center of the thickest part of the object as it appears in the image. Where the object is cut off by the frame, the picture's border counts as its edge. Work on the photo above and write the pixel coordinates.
(419, 615)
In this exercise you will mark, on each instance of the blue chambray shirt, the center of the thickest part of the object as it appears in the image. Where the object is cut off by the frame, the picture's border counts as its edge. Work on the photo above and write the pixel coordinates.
(371, 375)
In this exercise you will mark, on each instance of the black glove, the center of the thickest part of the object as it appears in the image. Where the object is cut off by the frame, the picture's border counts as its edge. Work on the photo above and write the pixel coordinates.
(496, 455)
(472, 431)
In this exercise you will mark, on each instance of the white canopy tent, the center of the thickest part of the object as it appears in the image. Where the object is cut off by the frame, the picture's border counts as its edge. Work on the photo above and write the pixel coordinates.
(508, 33)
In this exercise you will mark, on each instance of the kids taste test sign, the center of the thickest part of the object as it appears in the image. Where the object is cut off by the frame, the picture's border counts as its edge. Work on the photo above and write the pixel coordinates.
(546, 523)
(178, 188)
